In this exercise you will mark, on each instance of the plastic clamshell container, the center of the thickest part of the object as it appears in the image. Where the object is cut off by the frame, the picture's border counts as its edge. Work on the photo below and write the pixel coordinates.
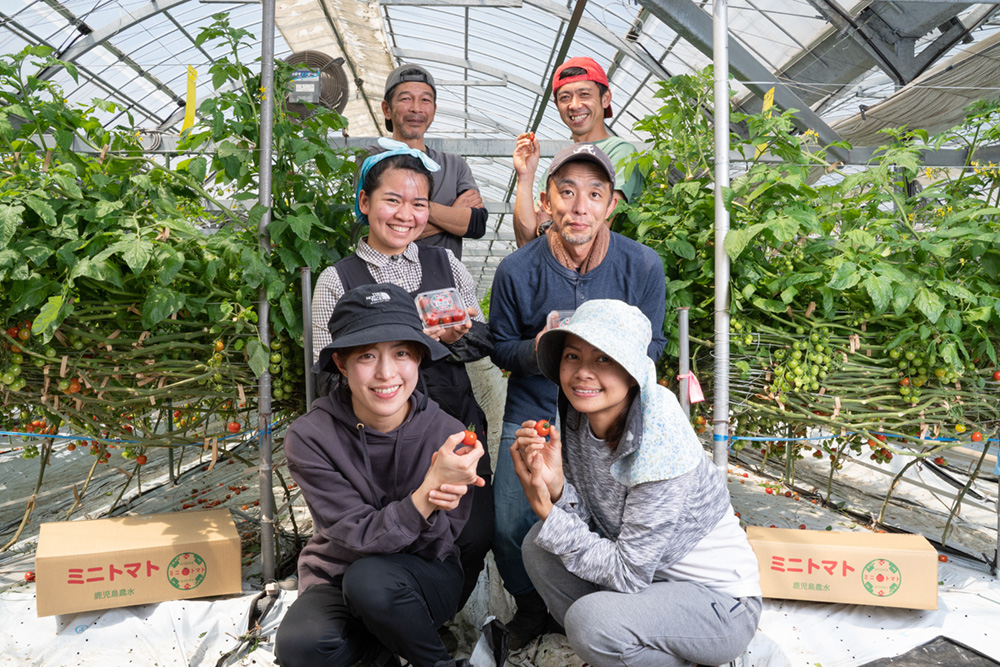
(441, 308)
(558, 318)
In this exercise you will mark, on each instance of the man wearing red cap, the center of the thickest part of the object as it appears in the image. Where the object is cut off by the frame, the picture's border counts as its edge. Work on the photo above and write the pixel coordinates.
(580, 89)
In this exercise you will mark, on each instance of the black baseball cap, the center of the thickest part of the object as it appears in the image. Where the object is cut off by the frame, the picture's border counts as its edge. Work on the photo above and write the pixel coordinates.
(372, 314)
(583, 152)
(402, 74)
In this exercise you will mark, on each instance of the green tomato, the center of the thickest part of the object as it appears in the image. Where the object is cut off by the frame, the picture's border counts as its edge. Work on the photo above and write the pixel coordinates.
(894, 353)
(275, 344)
(276, 358)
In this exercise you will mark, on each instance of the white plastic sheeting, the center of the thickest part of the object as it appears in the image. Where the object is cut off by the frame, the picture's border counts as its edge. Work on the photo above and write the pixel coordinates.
(196, 632)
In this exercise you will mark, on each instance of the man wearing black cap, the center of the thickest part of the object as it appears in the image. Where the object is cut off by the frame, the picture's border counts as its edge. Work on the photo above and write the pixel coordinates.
(456, 209)
(578, 260)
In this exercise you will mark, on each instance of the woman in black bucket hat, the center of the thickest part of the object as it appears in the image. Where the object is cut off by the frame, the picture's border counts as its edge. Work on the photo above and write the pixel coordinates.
(385, 475)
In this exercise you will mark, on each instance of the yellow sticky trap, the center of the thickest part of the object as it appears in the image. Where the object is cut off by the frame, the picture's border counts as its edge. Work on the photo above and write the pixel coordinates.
(189, 103)
(768, 103)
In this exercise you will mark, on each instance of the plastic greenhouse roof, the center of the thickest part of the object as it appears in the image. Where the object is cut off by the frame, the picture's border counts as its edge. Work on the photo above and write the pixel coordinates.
(492, 60)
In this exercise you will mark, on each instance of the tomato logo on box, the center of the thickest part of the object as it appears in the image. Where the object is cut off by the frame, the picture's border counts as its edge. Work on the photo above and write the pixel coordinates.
(881, 577)
(186, 571)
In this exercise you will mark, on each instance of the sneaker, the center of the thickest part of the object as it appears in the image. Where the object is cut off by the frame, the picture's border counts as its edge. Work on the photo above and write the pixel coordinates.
(529, 622)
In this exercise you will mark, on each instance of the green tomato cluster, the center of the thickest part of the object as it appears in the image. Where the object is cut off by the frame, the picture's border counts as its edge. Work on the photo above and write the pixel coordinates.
(286, 375)
(803, 365)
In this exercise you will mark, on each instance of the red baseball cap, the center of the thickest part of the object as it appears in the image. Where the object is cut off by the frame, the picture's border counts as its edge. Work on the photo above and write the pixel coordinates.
(592, 72)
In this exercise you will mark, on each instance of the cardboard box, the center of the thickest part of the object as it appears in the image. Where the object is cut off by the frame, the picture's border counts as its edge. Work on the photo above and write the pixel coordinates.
(887, 570)
(105, 563)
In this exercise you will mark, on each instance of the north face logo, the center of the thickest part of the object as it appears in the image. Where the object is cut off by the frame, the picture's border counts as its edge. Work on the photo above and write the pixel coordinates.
(585, 148)
(376, 298)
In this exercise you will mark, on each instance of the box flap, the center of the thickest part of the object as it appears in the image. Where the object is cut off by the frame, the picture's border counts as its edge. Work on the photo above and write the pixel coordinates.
(840, 538)
(67, 538)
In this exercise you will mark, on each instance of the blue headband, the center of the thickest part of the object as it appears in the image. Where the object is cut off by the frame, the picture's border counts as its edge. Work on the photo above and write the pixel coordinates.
(392, 147)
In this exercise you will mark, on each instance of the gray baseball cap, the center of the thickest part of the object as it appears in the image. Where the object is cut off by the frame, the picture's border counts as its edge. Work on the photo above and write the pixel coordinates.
(583, 152)
(402, 74)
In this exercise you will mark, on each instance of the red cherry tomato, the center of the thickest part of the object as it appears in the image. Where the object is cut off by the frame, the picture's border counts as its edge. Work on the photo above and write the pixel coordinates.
(29, 576)
(543, 427)
(424, 303)
(234, 427)
(943, 558)
(446, 317)
(141, 459)
(432, 320)
(12, 332)
(469, 438)
(996, 375)
(977, 436)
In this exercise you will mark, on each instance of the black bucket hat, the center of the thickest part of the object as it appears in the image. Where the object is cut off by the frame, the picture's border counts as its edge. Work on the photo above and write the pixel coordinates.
(376, 314)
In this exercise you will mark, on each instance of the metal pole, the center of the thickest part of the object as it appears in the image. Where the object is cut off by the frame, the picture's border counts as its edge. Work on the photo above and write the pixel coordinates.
(170, 449)
(307, 334)
(720, 419)
(684, 357)
(264, 309)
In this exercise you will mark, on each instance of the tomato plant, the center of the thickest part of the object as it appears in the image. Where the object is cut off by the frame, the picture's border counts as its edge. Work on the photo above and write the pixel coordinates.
(128, 306)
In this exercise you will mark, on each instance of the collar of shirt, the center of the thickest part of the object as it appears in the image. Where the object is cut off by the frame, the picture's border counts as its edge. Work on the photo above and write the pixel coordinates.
(375, 258)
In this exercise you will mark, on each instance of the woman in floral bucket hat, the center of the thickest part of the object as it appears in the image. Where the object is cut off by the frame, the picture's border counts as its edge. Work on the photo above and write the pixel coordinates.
(638, 552)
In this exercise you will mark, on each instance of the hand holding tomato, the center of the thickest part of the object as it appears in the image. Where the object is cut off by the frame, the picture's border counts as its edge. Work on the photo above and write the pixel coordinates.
(541, 458)
(449, 476)
(526, 152)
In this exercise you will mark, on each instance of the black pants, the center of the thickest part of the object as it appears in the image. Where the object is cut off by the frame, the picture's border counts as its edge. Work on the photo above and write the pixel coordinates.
(476, 538)
(396, 600)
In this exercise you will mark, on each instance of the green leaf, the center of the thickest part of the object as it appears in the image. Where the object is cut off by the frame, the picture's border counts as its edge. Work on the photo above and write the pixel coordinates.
(302, 224)
(930, 304)
(106, 208)
(288, 308)
(257, 356)
(196, 166)
(86, 267)
(953, 321)
(170, 263)
(957, 291)
(949, 353)
(880, 290)
(737, 239)
(844, 277)
(11, 218)
(769, 305)
(136, 252)
(160, 304)
(682, 248)
(43, 209)
(903, 294)
(783, 228)
(254, 268)
(48, 317)
(788, 294)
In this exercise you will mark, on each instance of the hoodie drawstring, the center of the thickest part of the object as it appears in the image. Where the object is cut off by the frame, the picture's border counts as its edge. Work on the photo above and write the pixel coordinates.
(368, 466)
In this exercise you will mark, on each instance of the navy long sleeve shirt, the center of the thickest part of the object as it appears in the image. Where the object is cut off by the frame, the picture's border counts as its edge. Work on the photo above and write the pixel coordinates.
(530, 283)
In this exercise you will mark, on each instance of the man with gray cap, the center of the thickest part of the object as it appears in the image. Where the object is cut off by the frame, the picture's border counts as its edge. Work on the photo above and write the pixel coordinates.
(578, 260)
(456, 209)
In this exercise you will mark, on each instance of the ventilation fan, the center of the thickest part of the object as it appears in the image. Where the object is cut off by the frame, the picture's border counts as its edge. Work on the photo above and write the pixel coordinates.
(318, 79)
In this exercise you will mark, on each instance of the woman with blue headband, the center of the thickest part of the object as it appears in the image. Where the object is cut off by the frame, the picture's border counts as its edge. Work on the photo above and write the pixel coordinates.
(393, 195)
